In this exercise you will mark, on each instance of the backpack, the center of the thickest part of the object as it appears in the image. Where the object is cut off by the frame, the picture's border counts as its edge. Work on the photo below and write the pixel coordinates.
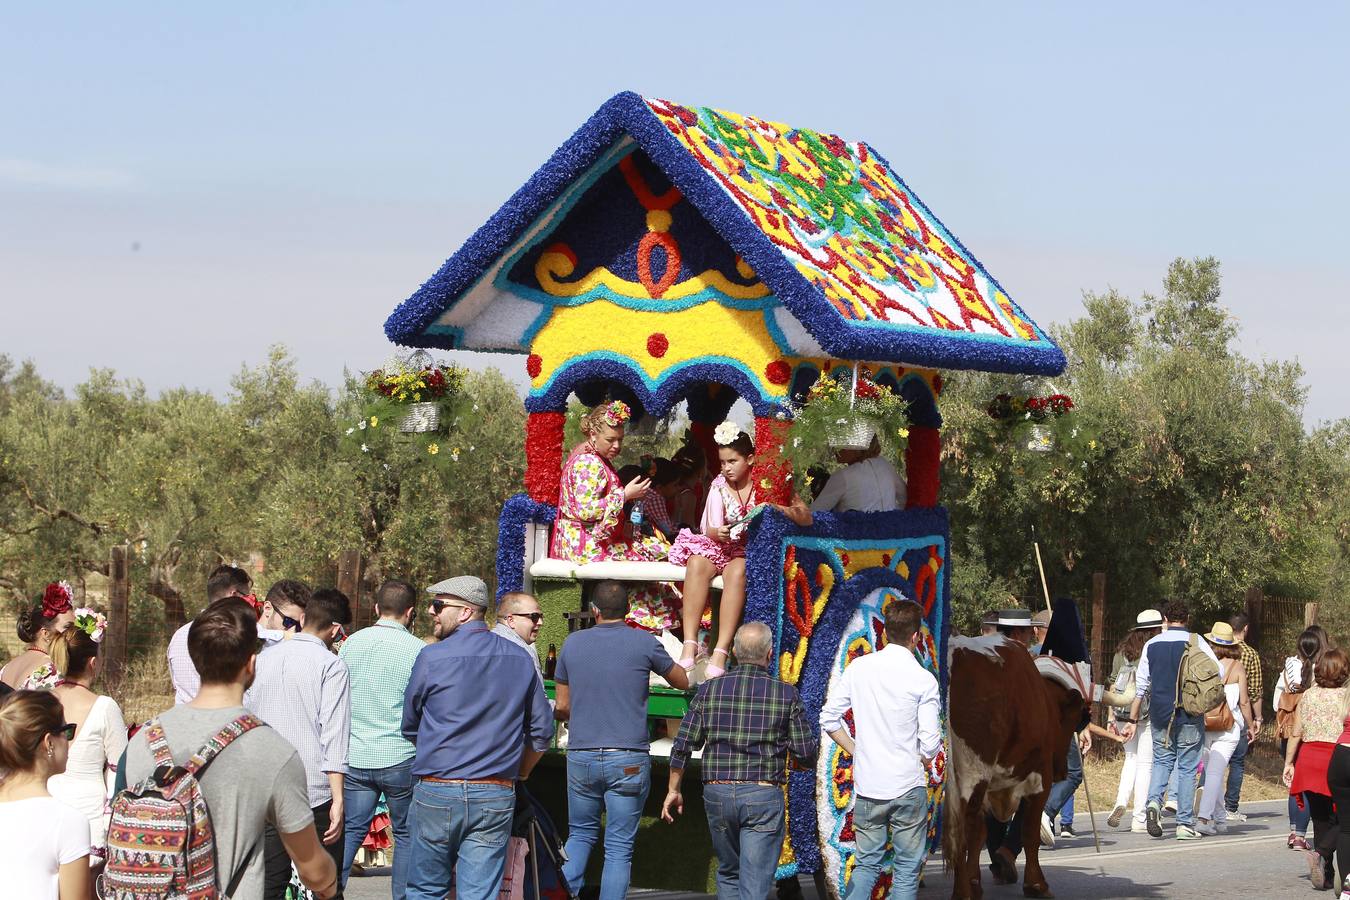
(1199, 681)
(160, 841)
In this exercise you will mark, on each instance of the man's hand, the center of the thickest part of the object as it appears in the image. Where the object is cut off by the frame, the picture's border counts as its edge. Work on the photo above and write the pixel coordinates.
(1084, 742)
(334, 831)
(673, 806)
(1127, 732)
(1255, 734)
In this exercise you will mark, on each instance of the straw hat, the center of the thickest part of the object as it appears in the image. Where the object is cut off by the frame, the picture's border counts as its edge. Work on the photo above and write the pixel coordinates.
(1221, 633)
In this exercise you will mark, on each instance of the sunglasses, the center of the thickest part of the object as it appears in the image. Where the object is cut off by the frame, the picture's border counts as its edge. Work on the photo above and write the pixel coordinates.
(535, 617)
(66, 731)
(438, 605)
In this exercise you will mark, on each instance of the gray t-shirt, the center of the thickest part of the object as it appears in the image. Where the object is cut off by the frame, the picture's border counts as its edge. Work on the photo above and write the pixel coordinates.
(607, 669)
(258, 779)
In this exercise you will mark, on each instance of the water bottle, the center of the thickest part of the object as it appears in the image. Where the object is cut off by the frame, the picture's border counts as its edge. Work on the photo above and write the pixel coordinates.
(635, 515)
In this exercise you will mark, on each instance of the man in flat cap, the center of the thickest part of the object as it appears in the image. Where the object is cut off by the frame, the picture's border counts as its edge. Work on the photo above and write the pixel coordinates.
(470, 698)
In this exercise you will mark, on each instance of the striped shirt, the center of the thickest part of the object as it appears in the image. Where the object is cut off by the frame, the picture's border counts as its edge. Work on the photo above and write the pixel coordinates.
(380, 662)
(748, 720)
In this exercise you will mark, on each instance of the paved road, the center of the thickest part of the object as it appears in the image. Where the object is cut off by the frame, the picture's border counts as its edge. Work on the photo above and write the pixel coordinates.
(1250, 862)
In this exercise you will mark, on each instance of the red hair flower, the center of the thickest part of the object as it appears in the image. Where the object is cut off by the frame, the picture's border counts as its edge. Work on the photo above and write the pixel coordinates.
(56, 599)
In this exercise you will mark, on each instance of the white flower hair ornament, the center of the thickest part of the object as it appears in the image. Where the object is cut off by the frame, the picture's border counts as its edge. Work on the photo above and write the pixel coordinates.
(725, 434)
(91, 622)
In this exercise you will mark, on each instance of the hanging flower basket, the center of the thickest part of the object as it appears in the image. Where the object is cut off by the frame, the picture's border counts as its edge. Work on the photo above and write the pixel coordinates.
(854, 435)
(844, 413)
(421, 418)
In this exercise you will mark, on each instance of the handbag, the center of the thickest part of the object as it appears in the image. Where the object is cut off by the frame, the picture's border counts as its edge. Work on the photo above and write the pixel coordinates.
(1220, 718)
(1285, 713)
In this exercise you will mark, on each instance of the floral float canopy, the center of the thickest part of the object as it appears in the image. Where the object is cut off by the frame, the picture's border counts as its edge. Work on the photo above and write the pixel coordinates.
(760, 245)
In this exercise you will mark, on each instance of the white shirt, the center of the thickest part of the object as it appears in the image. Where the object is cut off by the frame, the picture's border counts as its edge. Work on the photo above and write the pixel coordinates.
(1291, 678)
(37, 837)
(895, 718)
(871, 485)
(183, 674)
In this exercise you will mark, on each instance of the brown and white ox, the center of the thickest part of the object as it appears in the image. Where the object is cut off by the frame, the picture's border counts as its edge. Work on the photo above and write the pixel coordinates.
(1010, 722)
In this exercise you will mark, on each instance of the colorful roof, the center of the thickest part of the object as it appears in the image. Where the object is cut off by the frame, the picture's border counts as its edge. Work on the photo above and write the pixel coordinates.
(824, 237)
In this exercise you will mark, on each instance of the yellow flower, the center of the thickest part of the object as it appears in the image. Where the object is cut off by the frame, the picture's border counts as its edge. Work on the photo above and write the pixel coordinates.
(765, 483)
(374, 420)
(1092, 444)
(903, 432)
(433, 449)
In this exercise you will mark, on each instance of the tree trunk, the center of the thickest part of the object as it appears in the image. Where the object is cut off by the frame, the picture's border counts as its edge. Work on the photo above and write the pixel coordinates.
(161, 587)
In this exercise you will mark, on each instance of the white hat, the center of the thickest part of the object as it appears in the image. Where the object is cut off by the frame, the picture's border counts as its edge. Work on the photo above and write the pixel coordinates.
(1149, 618)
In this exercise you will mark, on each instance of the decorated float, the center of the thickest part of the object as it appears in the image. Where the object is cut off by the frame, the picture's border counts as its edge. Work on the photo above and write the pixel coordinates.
(668, 254)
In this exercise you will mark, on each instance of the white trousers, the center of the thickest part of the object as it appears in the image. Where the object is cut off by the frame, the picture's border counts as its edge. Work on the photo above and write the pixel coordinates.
(1219, 749)
(1135, 773)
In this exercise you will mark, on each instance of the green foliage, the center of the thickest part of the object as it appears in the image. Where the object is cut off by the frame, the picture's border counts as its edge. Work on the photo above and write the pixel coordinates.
(833, 408)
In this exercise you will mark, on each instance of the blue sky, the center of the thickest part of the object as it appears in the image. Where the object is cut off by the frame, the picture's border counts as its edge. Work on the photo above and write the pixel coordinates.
(182, 185)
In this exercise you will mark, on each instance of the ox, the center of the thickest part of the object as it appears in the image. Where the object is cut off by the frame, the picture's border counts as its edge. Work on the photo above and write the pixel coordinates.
(1010, 725)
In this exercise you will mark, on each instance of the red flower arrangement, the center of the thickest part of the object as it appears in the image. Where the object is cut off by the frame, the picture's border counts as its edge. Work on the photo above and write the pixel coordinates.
(1006, 406)
(56, 599)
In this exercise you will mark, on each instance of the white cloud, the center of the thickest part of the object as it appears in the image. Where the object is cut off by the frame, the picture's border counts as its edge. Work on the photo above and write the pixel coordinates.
(30, 173)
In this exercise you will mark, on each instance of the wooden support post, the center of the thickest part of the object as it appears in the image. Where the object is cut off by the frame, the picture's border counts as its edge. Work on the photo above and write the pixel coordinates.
(1255, 601)
(114, 650)
(1310, 614)
(1099, 660)
(349, 582)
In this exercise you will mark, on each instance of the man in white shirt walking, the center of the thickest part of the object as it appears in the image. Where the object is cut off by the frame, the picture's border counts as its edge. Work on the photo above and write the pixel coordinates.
(895, 705)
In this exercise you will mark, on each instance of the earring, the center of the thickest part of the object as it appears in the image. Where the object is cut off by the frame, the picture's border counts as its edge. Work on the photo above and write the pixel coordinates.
(49, 752)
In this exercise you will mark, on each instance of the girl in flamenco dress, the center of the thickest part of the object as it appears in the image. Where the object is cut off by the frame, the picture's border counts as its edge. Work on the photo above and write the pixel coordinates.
(719, 546)
(38, 627)
(590, 525)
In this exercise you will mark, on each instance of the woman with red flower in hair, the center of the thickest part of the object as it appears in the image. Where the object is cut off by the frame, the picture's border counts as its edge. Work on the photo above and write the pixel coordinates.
(37, 627)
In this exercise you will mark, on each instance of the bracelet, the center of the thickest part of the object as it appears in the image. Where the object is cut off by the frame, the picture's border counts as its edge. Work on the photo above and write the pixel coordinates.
(1133, 721)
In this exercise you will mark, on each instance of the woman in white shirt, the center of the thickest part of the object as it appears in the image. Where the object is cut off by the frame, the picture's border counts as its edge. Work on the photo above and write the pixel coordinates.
(44, 844)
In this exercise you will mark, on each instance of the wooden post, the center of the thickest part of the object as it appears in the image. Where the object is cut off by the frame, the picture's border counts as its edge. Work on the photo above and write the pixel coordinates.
(1254, 602)
(119, 595)
(1099, 660)
(1310, 614)
(349, 582)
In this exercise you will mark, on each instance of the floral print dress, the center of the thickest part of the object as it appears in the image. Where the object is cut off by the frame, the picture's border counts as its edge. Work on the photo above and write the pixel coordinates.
(591, 527)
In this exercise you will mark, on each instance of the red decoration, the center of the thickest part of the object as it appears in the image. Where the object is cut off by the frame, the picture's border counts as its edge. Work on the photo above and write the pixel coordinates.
(658, 344)
(534, 365)
(544, 456)
(778, 372)
(55, 600)
(658, 286)
(772, 483)
(923, 459)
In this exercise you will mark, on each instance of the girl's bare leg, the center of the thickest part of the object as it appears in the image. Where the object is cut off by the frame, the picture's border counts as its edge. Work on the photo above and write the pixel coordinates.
(731, 607)
(698, 576)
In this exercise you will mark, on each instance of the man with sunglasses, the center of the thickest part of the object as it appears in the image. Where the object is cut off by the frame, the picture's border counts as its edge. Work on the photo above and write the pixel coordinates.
(518, 620)
(471, 697)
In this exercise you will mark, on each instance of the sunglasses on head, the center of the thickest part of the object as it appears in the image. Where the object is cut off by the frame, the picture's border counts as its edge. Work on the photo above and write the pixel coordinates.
(535, 617)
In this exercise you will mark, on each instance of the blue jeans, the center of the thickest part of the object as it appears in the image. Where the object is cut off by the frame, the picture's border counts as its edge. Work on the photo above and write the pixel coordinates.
(459, 831)
(1061, 792)
(1236, 767)
(616, 783)
(747, 824)
(1176, 747)
(362, 789)
(1066, 814)
(906, 819)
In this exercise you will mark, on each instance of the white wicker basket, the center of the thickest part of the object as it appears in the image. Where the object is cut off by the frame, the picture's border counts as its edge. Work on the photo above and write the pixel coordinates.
(854, 436)
(421, 417)
(1040, 439)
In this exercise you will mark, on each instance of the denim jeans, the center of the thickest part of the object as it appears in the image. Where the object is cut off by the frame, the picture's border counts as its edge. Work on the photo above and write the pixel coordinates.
(906, 820)
(1066, 814)
(1061, 792)
(1236, 767)
(747, 823)
(362, 789)
(616, 783)
(459, 830)
(1176, 747)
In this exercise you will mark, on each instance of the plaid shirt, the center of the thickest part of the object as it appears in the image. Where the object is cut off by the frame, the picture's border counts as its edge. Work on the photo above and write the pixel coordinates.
(746, 719)
(1251, 661)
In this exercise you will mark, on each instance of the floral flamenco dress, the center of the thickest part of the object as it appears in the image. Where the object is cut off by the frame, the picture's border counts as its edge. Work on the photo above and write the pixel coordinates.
(723, 506)
(590, 527)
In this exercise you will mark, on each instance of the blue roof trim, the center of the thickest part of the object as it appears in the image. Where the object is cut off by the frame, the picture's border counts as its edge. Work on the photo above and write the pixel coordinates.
(628, 112)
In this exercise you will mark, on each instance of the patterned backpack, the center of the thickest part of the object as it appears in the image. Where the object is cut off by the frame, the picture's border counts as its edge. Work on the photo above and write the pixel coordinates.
(160, 841)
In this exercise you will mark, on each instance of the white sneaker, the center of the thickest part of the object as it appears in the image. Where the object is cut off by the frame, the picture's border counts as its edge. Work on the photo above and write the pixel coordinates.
(1236, 817)
(1138, 828)
(1185, 833)
(1047, 831)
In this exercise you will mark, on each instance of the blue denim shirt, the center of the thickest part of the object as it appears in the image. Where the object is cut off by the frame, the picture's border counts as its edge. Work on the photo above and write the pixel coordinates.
(472, 702)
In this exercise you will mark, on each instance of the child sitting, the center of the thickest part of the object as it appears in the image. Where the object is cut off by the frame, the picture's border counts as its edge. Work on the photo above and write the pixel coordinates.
(719, 547)
(666, 485)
